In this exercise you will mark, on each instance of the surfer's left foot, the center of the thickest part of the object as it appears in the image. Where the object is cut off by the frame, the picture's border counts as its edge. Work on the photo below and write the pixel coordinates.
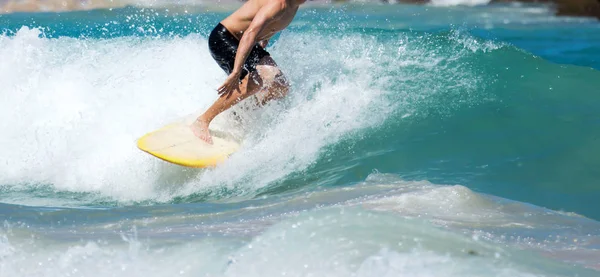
(200, 129)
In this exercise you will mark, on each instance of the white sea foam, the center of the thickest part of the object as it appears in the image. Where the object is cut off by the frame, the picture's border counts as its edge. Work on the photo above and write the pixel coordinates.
(72, 109)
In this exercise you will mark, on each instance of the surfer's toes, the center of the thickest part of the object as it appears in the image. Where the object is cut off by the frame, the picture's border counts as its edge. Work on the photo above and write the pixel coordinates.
(203, 135)
(200, 130)
(206, 138)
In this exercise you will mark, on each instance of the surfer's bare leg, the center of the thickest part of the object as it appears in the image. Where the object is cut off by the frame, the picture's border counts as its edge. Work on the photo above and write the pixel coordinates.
(267, 79)
(276, 85)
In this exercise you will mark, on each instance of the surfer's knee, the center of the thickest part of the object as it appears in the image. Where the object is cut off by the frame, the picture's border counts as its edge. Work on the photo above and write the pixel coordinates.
(274, 80)
(281, 84)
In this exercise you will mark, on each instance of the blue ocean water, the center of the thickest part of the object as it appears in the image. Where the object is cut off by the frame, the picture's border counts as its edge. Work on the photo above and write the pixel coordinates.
(417, 141)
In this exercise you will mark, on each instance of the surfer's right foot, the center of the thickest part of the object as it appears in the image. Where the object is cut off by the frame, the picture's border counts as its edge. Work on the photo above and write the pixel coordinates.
(200, 129)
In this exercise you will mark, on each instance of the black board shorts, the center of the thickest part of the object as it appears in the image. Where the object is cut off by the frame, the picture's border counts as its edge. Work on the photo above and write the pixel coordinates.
(223, 48)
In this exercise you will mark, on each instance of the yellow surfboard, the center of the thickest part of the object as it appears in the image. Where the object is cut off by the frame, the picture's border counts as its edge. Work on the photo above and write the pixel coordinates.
(176, 143)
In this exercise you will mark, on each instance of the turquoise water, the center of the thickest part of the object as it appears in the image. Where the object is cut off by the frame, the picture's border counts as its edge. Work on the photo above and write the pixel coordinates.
(417, 141)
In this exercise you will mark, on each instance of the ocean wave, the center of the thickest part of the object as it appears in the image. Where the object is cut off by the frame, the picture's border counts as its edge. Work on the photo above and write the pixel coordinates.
(81, 109)
(395, 101)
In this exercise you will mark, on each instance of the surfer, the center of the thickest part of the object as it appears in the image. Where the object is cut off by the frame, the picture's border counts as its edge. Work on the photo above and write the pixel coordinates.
(238, 45)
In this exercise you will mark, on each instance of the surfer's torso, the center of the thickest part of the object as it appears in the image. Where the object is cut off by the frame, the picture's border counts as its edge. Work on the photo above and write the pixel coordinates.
(238, 22)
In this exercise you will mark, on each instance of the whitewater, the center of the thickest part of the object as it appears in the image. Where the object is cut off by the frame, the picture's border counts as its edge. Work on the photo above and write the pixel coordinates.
(416, 141)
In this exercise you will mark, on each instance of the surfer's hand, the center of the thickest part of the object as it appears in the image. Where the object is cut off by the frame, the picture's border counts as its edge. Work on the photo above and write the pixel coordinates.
(230, 85)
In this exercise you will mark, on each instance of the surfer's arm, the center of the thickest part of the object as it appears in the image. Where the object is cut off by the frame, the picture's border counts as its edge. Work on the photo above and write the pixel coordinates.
(265, 15)
(248, 40)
